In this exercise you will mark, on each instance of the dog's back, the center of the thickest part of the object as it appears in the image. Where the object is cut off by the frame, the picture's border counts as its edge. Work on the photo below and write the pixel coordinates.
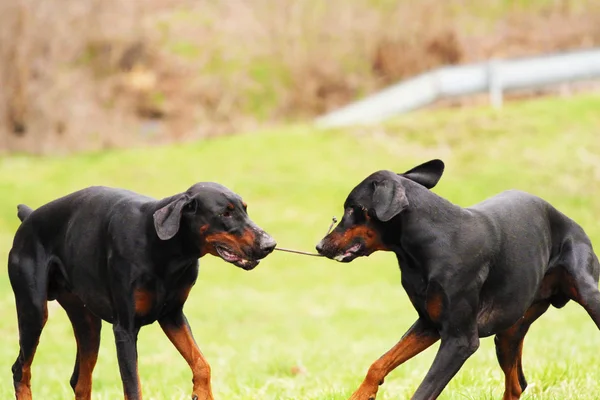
(74, 231)
(516, 214)
(76, 214)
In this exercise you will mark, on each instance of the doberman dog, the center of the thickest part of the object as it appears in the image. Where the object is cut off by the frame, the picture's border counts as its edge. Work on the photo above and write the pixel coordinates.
(115, 255)
(490, 269)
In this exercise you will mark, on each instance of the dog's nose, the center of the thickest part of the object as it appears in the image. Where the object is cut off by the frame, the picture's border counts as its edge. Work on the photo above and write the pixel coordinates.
(268, 244)
(319, 247)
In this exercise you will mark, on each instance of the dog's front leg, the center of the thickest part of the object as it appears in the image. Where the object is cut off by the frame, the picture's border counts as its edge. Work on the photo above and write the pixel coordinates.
(177, 329)
(126, 341)
(419, 337)
(451, 356)
(459, 340)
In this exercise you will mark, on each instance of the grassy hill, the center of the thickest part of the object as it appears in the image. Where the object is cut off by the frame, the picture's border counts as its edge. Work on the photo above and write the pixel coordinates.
(307, 328)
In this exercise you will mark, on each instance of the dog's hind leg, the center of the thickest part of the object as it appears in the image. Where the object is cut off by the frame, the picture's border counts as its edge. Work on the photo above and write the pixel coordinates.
(581, 281)
(29, 281)
(509, 349)
(86, 327)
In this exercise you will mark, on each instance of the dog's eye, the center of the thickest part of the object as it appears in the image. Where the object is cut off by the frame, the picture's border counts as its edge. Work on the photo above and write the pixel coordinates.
(359, 213)
(226, 214)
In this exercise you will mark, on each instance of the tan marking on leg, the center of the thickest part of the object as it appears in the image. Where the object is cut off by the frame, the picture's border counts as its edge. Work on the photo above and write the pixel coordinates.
(184, 293)
(87, 362)
(144, 301)
(183, 340)
(434, 306)
(408, 347)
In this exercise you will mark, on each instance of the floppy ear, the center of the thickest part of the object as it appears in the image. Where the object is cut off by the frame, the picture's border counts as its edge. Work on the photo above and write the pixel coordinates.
(389, 199)
(427, 174)
(166, 219)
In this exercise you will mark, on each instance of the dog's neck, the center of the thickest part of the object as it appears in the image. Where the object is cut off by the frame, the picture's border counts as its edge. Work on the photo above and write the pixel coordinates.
(426, 219)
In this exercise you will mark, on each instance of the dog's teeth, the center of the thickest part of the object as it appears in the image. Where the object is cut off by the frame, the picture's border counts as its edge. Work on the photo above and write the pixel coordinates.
(339, 257)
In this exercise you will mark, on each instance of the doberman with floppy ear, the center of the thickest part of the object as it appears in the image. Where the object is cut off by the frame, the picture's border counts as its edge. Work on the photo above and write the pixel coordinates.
(114, 255)
(490, 269)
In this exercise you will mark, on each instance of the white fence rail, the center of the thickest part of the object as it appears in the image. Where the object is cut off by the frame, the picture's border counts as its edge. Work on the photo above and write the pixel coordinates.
(494, 77)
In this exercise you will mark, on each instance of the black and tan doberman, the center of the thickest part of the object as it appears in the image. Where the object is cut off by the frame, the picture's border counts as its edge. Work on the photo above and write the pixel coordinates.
(114, 255)
(490, 269)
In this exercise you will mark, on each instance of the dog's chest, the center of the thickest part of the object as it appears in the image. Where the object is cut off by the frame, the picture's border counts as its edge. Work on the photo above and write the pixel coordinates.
(150, 304)
(154, 296)
(415, 286)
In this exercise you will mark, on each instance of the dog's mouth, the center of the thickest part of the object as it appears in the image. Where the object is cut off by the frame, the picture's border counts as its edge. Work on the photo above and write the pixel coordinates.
(350, 253)
(235, 259)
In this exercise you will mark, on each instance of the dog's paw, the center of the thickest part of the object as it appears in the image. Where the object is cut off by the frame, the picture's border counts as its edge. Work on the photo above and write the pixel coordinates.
(363, 393)
(370, 397)
(202, 396)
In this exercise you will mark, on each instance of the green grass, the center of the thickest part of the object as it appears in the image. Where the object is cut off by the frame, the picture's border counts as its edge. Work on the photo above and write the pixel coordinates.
(331, 319)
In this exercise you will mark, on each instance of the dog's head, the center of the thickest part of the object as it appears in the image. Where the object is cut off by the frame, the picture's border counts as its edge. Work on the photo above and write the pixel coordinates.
(376, 201)
(214, 219)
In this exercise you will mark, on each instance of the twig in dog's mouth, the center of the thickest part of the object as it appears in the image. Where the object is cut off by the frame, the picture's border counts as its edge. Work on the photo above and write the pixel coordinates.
(333, 221)
(298, 252)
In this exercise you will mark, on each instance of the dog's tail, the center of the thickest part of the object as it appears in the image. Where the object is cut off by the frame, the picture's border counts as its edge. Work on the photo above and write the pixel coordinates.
(23, 211)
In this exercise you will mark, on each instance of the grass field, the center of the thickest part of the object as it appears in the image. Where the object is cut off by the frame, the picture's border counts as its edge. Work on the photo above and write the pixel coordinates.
(308, 328)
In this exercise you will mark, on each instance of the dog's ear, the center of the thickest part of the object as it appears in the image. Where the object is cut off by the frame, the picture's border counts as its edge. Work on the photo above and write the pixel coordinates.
(167, 218)
(427, 174)
(389, 199)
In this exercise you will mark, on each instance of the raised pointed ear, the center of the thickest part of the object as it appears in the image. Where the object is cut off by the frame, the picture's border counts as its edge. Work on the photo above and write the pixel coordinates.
(427, 174)
(167, 219)
(389, 199)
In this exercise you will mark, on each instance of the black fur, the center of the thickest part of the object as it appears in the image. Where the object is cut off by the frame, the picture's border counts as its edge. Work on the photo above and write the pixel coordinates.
(490, 269)
(128, 259)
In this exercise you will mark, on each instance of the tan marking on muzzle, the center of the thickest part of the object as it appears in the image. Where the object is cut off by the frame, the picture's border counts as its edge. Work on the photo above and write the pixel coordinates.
(233, 243)
(368, 236)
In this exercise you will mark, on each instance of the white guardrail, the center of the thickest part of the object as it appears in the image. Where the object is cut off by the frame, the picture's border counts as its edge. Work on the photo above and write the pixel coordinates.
(494, 77)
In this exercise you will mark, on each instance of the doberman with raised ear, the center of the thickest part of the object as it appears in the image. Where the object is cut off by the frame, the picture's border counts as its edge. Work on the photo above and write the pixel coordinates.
(490, 269)
(114, 255)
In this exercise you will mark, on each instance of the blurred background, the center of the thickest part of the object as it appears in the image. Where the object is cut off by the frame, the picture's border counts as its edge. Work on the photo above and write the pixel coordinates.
(156, 95)
(98, 74)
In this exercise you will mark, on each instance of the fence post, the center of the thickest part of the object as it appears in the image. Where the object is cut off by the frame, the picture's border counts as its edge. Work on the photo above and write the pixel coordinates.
(495, 83)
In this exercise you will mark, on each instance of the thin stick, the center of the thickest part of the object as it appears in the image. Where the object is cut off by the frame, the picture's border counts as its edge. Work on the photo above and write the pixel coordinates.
(298, 252)
(333, 221)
